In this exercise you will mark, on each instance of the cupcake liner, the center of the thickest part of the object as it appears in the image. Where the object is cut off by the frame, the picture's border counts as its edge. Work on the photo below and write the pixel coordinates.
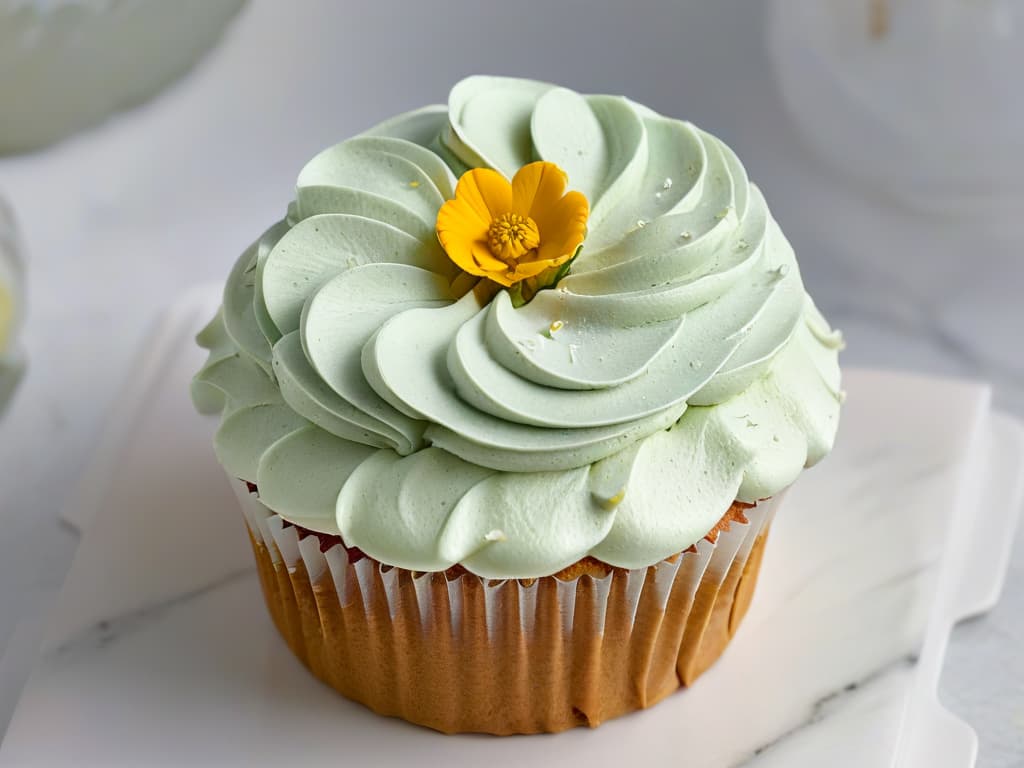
(457, 652)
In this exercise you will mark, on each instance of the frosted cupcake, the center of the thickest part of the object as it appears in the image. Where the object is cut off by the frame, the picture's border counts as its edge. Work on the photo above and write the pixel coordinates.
(509, 398)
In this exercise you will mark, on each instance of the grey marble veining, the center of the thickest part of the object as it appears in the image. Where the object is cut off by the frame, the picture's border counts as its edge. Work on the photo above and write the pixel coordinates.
(845, 709)
(107, 631)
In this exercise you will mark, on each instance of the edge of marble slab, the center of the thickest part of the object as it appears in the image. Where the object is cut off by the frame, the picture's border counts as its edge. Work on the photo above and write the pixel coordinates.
(20, 655)
(971, 581)
(179, 318)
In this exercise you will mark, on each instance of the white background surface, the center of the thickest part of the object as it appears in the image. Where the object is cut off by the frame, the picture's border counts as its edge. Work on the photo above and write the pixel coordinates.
(119, 221)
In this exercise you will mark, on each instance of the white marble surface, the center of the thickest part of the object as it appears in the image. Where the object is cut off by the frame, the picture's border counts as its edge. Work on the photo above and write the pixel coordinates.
(119, 221)
(160, 652)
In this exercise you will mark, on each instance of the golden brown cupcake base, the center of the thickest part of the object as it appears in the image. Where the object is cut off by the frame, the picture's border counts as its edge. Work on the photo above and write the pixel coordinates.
(458, 653)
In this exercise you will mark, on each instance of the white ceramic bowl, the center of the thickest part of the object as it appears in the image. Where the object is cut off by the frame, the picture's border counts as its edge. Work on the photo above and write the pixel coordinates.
(66, 64)
(919, 98)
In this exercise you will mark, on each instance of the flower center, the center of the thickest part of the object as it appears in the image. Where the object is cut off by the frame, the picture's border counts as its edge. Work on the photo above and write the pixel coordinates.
(511, 236)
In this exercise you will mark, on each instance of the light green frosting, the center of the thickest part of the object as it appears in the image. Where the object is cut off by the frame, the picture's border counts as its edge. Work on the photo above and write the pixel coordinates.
(689, 367)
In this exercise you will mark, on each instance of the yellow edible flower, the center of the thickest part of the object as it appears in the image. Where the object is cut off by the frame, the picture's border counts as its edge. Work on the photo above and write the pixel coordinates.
(510, 232)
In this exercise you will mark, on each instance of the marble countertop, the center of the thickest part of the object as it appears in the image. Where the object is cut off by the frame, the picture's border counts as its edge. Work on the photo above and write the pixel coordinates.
(121, 220)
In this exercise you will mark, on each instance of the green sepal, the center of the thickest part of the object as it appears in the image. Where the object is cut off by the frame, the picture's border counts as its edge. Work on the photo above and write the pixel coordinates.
(522, 292)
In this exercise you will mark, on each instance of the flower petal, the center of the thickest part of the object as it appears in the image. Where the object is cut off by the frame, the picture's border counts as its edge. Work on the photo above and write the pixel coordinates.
(458, 227)
(458, 214)
(532, 268)
(555, 254)
(460, 251)
(485, 260)
(503, 278)
(537, 187)
(564, 227)
(486, 192)
(565, 216)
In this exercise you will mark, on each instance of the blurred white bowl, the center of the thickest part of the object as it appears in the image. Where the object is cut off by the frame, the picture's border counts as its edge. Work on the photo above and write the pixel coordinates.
(66, 64)
(920, 98)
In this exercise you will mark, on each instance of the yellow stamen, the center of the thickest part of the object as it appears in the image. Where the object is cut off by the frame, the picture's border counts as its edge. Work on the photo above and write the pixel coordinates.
(512, 236)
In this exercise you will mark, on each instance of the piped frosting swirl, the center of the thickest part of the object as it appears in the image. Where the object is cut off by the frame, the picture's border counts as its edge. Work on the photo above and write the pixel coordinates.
(679, 365)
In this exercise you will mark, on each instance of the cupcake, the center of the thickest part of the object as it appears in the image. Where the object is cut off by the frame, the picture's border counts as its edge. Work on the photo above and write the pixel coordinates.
(509, 398)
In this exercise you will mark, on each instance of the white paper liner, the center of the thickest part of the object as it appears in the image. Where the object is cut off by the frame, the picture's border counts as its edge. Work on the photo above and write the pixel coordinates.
(458, 652)
(707, 565)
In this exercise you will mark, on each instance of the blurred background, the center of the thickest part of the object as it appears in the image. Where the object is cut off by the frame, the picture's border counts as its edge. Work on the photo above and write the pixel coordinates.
(144, 144)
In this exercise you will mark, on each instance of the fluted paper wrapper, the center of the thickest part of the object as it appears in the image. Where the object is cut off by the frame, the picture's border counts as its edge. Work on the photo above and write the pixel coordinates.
(463, 653)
